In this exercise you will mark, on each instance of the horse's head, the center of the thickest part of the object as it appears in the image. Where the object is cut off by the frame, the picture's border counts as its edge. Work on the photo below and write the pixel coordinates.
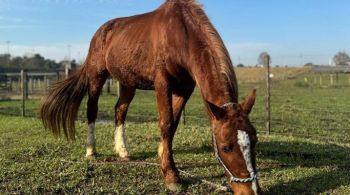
(234, 140)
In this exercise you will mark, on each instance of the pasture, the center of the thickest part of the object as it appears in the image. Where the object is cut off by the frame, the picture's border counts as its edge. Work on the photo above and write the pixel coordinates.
(308, 151)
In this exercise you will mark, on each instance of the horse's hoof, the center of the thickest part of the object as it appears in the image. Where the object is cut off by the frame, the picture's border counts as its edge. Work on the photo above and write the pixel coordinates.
(125, 159)
(174, 187)
(90, 157)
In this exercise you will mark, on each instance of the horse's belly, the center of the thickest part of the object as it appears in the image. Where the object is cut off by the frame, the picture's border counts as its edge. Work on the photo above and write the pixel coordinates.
(132, 78)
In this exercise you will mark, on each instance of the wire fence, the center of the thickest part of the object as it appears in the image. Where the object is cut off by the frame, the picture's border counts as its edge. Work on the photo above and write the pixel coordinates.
(300, 106)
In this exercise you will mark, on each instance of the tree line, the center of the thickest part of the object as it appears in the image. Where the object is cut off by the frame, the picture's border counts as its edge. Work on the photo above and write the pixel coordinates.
(32, 63)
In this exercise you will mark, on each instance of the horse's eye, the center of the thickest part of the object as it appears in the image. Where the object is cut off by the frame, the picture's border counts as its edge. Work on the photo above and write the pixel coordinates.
(226, 149)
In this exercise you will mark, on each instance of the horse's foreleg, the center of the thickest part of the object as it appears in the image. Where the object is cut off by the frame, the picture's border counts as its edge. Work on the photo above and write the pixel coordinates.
(178, 103)
(94, 91)
(121, 109)
(167, 128)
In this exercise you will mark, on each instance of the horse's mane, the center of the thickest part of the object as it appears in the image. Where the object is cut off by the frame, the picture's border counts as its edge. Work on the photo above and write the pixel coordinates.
(195, 17)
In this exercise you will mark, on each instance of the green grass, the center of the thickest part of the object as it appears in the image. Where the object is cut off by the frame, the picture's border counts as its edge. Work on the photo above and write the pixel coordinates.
(307, 153)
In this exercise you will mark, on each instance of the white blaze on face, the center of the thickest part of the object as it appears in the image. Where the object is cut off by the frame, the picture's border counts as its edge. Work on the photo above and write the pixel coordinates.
(119, 141)
(244, 145)
(90, 141)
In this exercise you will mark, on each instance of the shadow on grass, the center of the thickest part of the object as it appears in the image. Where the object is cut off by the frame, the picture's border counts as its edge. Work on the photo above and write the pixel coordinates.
(308, 155)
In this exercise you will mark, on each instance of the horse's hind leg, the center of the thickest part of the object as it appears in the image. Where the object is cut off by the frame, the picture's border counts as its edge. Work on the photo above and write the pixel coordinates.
(121, 109)
(95, 87)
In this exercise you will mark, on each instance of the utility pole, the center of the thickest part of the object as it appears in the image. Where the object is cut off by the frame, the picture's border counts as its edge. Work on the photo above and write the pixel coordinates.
(8, 47)
(69, 52)
(8, 52)
(301, 59)
(68, 64)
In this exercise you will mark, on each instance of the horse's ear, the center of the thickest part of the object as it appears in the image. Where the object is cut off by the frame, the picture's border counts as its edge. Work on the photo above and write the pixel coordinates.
(248, 102)
(217, 111)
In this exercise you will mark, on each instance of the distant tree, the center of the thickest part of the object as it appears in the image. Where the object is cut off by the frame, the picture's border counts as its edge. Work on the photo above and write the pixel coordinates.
(264, 59)
(308, 64)
(240, 65)
(341, 59)
(34, 63)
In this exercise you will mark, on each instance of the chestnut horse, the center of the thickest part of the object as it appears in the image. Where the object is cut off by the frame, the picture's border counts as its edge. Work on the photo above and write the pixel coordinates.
(169, 50)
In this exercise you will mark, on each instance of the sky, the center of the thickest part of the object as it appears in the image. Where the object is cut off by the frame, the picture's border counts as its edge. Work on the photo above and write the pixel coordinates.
(293, 32)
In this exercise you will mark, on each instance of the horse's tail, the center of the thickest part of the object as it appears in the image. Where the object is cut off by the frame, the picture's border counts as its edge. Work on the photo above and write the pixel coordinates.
(60, 107)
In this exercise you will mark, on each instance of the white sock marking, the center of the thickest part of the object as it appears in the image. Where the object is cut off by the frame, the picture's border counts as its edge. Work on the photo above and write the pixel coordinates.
(90, 141)
(244, 145)
(160, 150)
(120, 142)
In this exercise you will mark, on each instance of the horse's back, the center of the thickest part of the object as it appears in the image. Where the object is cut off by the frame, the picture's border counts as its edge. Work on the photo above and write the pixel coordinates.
(132, 47)
(129, 52)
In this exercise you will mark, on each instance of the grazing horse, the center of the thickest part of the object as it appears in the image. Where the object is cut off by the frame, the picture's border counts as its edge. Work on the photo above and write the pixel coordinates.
(170, 50)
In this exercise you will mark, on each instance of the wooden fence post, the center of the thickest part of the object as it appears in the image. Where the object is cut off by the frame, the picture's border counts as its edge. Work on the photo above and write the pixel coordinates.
(66, 70)
(331, 79)
(265, 60)
(45, 84)
(268, 97)
(23, 91)
(11, 85)
(26, 82)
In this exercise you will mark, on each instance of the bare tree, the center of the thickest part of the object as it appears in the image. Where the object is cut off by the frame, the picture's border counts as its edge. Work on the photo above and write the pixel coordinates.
(341, 59)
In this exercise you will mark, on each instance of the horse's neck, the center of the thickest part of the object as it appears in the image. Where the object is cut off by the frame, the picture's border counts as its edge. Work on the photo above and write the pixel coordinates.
(213, 85)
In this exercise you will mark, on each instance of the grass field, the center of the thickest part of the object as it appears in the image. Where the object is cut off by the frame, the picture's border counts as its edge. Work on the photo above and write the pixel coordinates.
(308, 151)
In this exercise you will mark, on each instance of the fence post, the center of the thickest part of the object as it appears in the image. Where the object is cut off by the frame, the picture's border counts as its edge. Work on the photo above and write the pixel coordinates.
(11, 85)
(26, 85)
(66, 70)
(265, 60)
(331, 77)
(23, 91)
(268, 97)
(45, 84)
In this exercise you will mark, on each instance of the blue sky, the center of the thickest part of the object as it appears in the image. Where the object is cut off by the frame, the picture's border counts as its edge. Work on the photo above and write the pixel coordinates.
(292, 31)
